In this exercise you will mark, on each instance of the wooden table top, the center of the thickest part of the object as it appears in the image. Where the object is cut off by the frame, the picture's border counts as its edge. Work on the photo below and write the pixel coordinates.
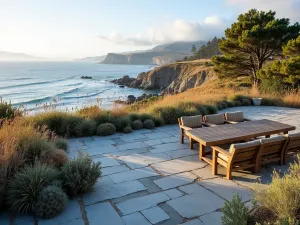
(229, 133)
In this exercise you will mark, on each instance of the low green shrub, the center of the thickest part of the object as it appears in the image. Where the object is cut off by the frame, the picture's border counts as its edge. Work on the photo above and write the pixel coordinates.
(149, 124)
(230, 103)
(270, 102)
(80, 175)
(169, 115)
(282, 195)
(24, 188)
(106, 129)
(202, 110)
(127, 129)
(55, 157)
(72, 123)
(61, 143)
(121, 122)
(235, 212)
(134, 116)
(137, 124)
(158, 121)
(58, 122)
(51, 202)
(219, 106)
(239, 98)
(211, 109)
(246, 102)
(85, 128)
(237, 103)
(103, 117)
(144, 117)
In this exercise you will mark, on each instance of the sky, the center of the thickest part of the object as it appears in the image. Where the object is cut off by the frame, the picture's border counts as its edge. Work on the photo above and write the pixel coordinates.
(79, 28)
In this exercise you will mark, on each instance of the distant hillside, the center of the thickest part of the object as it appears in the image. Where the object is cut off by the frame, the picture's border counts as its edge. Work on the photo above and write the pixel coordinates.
(159, 55)
(92, 59)
(10, 56)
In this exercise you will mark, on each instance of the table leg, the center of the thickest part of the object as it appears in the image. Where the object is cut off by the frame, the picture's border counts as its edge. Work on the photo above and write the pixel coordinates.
(201, 151)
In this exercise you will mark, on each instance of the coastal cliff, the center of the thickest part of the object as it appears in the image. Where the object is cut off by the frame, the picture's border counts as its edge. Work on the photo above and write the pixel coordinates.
(173, 78)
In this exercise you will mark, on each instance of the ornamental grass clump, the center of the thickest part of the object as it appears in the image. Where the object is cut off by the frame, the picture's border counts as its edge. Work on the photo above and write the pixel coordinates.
(106, 129)
(55, 157)
(80, 175)
(282, 196)
(149, 124)
(24, 188)
(137, 124)
(158, 121)
(51, 202)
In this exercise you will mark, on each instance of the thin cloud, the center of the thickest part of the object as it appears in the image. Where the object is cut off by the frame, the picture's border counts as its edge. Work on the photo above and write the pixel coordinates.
(178, 30)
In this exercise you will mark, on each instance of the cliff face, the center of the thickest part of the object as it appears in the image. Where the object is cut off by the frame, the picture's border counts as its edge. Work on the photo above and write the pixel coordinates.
(113, 58)
(174, 78)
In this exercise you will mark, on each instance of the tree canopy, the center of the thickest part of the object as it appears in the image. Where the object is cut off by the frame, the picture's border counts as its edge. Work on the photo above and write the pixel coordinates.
(250, 41)
(284, 72)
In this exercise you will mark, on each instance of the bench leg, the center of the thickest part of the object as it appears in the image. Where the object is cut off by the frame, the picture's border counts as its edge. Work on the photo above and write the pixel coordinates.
(181, 136)
(214, 163)
(191, 143)
(201, 151)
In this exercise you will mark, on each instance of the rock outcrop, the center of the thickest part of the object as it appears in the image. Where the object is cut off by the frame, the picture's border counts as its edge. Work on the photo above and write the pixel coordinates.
(125, 80)
(172, 78)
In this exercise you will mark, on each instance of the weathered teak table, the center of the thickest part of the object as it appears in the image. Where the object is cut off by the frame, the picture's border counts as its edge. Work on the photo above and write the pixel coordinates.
(230, 133)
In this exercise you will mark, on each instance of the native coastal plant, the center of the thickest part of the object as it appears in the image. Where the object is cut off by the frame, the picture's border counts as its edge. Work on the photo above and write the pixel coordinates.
(137, 124)
(149, 124)
(61, 143)
(80, 175)
(51, 201)
(282, 196)
(85, 128)
(235, 212)
(7, 111)
(55, 157)
(23, 189)
(106, 129)
(170, 115)
(127, 129)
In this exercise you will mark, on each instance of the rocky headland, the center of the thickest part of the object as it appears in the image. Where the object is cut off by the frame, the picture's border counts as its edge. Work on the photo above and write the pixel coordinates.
(172, 78)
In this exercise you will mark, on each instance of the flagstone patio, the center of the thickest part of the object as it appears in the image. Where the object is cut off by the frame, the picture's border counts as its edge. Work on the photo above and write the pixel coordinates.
(148, 177)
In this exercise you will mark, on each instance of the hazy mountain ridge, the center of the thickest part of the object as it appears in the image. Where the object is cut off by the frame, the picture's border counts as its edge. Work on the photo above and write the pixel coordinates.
(12, 56)
(159, 55)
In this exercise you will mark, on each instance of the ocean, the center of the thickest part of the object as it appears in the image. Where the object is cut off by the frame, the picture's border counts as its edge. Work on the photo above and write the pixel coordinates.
(37, 86)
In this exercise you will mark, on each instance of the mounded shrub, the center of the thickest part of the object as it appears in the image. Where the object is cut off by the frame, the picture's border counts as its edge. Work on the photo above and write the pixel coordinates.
(127, 129)
(192, 111)
(137, 124)
(121, 122)
(24, 188)
(246, 102)
(106, 129)
(219, 106)
(51, 202)
(134, 116)
(170, 115)
(202, 110)
(158, 121)
(230, 103)
(85, 128)
(149, 124)
(211, 109)
(72, 123)
(144, 117)
(61, 143)
(80, 175)
(237, 103)
(224, 104)
(55, 157)
(270, 102)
